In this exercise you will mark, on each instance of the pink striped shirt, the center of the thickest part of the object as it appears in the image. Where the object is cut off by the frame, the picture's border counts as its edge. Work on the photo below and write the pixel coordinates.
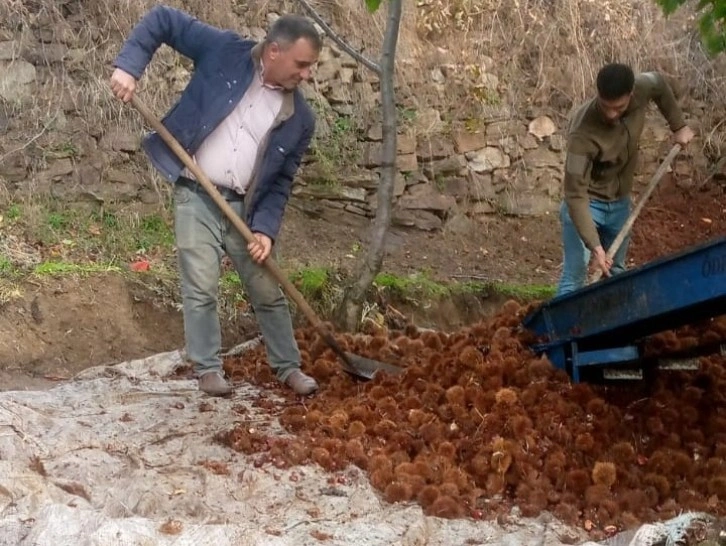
(228, 155)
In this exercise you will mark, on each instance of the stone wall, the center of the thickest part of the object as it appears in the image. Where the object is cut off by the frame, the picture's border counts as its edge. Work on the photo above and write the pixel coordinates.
(510, 161)
(507, 163)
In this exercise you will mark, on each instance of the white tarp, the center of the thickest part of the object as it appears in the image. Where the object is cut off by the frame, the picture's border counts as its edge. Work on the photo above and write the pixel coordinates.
(114, 458)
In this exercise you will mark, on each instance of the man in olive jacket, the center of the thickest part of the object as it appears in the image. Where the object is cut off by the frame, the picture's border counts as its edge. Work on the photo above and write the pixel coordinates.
(602, 153)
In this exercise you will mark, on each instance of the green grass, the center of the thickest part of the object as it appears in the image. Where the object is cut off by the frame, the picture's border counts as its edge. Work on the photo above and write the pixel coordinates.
(311, 280)
(10, 271)
(420, 285)
(129, 233)
(59, 221)
(105, 234)
(316, 284)
(66, 268)
(155, 231)
(230, 279)
(14, 212)
(6, 266)
(406, 115)
(525, 291)
(231, 291)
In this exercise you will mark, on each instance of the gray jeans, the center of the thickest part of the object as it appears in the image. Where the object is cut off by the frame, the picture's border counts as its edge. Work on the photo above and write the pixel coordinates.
(203, 235)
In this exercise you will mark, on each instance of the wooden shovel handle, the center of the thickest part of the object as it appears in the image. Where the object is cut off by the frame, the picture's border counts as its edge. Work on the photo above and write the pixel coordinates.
(625, 230)
(221, 202)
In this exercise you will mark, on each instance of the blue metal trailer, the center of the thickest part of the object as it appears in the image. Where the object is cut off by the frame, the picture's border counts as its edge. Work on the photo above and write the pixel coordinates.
(602, 325)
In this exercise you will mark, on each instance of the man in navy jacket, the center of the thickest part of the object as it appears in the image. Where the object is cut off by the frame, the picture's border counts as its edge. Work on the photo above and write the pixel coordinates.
(246, 124)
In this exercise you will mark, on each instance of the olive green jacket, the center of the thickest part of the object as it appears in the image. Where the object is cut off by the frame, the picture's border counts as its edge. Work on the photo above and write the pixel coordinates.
(601, 157)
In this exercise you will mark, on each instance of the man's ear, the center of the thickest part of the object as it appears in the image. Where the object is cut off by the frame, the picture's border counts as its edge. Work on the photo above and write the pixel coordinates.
(273, 50)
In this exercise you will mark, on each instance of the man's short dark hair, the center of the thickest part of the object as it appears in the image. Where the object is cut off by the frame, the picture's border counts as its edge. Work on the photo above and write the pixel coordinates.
(614, 81)
(288, 29)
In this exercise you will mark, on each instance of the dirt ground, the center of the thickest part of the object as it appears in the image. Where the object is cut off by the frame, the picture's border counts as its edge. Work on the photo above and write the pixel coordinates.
(678, 216)
(512, 249)
(60, 327)
(64, 325)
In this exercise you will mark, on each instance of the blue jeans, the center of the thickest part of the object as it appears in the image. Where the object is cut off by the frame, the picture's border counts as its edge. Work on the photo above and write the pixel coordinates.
(609, 218)
(203, 235)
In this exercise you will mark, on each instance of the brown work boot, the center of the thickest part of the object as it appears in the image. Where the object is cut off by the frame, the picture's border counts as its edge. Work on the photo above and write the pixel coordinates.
(302, 384)
(214, 384)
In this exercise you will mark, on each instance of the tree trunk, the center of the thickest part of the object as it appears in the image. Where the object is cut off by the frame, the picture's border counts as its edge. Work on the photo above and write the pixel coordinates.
(351, 307)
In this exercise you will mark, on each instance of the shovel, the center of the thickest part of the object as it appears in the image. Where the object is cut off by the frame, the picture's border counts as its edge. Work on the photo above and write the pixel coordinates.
(617, 243)
(353, 364)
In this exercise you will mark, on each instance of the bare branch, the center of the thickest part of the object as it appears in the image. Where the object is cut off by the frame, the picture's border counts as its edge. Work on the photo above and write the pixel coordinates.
(345, 46)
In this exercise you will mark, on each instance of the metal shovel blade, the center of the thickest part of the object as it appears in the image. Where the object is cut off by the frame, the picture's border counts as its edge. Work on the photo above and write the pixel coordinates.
(367, 367)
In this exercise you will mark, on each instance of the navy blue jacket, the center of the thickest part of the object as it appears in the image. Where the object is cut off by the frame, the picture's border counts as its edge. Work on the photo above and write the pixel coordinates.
(223, 69)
